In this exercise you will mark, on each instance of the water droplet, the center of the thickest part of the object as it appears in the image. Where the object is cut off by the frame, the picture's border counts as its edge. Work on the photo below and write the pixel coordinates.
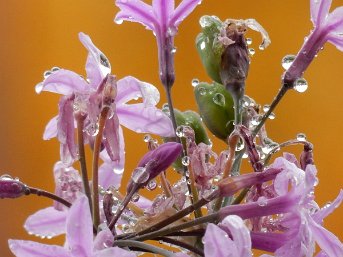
(47, 73)
(249, 41)
(92, 129)
(173, 51)
(266, 107)
(251, 51)
(118, 21)
(205, 21)
(202, 45)
(239, 146)
(301, 137)
(287, 61)
(262, 47)
(6, 177)
(180, 131)
(135, 198)
(125, 228)
(271, 116)
(256, 120)
(195, 82)
(140, 175)
(219, 99)
(202, 91)
(147, 138)
(54, 69)
(245, 155)
(105, 64)
(39, 88)
(186, 160)
(152, 185)
(300, 85)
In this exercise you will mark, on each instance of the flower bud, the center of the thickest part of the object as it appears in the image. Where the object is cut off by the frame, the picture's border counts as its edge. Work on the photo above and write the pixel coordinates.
(215, 106)
(11, 188)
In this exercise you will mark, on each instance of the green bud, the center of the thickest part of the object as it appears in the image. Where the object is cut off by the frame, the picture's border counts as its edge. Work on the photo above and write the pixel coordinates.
(215, 106)
(193, 120)
(209, 49)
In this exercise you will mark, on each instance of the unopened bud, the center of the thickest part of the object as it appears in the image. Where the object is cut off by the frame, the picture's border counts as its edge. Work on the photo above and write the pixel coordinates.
(11, 188)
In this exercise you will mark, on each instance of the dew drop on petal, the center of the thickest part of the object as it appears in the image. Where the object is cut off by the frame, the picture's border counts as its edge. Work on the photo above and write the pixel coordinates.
(195, 82)
(287, 61)
(147, 138)
(6, 177)
(47, 73)
(173, 51)
(186, 160)
(118, 21)
(39, 88)
(300, 85)
(301, 137)
(54, 69)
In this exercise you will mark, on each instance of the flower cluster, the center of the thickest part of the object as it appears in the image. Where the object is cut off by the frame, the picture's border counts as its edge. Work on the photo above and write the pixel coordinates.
(211, 209)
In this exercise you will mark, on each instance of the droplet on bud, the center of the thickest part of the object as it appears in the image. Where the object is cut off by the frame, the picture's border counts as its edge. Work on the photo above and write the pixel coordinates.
(219, 99)
(287, 61)
(47, 73)
(249, 41)
(300, 85)
(301, 137)
(195, 82)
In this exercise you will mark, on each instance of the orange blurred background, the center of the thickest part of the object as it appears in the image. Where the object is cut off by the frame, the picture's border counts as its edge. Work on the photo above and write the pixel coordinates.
(39, 34)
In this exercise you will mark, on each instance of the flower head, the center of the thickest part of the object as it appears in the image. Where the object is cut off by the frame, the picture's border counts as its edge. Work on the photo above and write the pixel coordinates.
(163, 19)
(88, 97)
(79, 239)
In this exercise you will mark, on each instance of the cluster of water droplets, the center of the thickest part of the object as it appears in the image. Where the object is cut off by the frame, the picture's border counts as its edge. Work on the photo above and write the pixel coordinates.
(92, 129)
(300, 85)
(268, 147)
(46, 74)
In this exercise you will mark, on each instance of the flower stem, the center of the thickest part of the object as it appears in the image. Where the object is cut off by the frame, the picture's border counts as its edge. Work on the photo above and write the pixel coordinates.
(95, 180)
(181, 244)
(277, 99)
(82, 158)
(40, 192)
(150, 248)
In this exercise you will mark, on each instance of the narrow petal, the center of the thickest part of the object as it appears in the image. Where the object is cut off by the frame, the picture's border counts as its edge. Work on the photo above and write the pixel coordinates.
(240, 234)
(335, 20)
(22, 248)
(327, 210)
(97, 65)
(163, 10)
(51, 129)
(142, 119)
(111, 134)
(107, 176)
(326, 240)
(138, 11)
(64, 82)
(80, 228)
(47, 222)
(103, 239)
(319, 11)
(114, 251)
(130, 88)
(336, 40)
(217, 243)
(183, 10)
(254, 25)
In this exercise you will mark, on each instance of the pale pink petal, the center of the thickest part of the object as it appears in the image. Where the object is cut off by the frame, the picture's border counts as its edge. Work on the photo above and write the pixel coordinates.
(97, 65)
(142, 119)
(136, 10)
(114, 252)
(183, 10)
(107, 176)
(21, 248)
(217, 243)
(111, 135)
(51, 129)
(80, 228)
(103, 239)
(64, 82)
(130, 88)
(336, 40)
(163, 10)
(327, 210)
(47, 222)
(319, 11)
(335, 20)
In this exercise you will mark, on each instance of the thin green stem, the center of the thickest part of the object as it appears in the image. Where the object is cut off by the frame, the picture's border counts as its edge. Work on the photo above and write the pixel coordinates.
(150, 248)
(82, 159)
(40, 192)
(95, 180)
(277, 99)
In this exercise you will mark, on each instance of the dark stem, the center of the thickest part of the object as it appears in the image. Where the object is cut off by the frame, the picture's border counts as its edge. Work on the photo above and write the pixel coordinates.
(196, 232)
(82, 159)
(40, 192)
(181, 244)
(241, 196)
(275, 102)
(95, 180)
(149, 248)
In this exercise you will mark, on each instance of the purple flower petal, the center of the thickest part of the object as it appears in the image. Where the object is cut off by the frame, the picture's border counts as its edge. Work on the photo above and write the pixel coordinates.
(111, 134)
(319, 11)
(130, 88)
(64, 82)
(97, 65)
(142, 119)
(217, 242)
(103, 239)
(80, 228)
(336, 40)
(183, 10)
(51, 129)
(47, 222)
(107, 176)
(327, 210)
(22, 248)
(163, 10)
(335, 20)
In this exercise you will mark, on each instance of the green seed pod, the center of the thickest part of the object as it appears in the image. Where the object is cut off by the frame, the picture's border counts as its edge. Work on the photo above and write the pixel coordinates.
(193, 120)
(215, 106)
(209, 49)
